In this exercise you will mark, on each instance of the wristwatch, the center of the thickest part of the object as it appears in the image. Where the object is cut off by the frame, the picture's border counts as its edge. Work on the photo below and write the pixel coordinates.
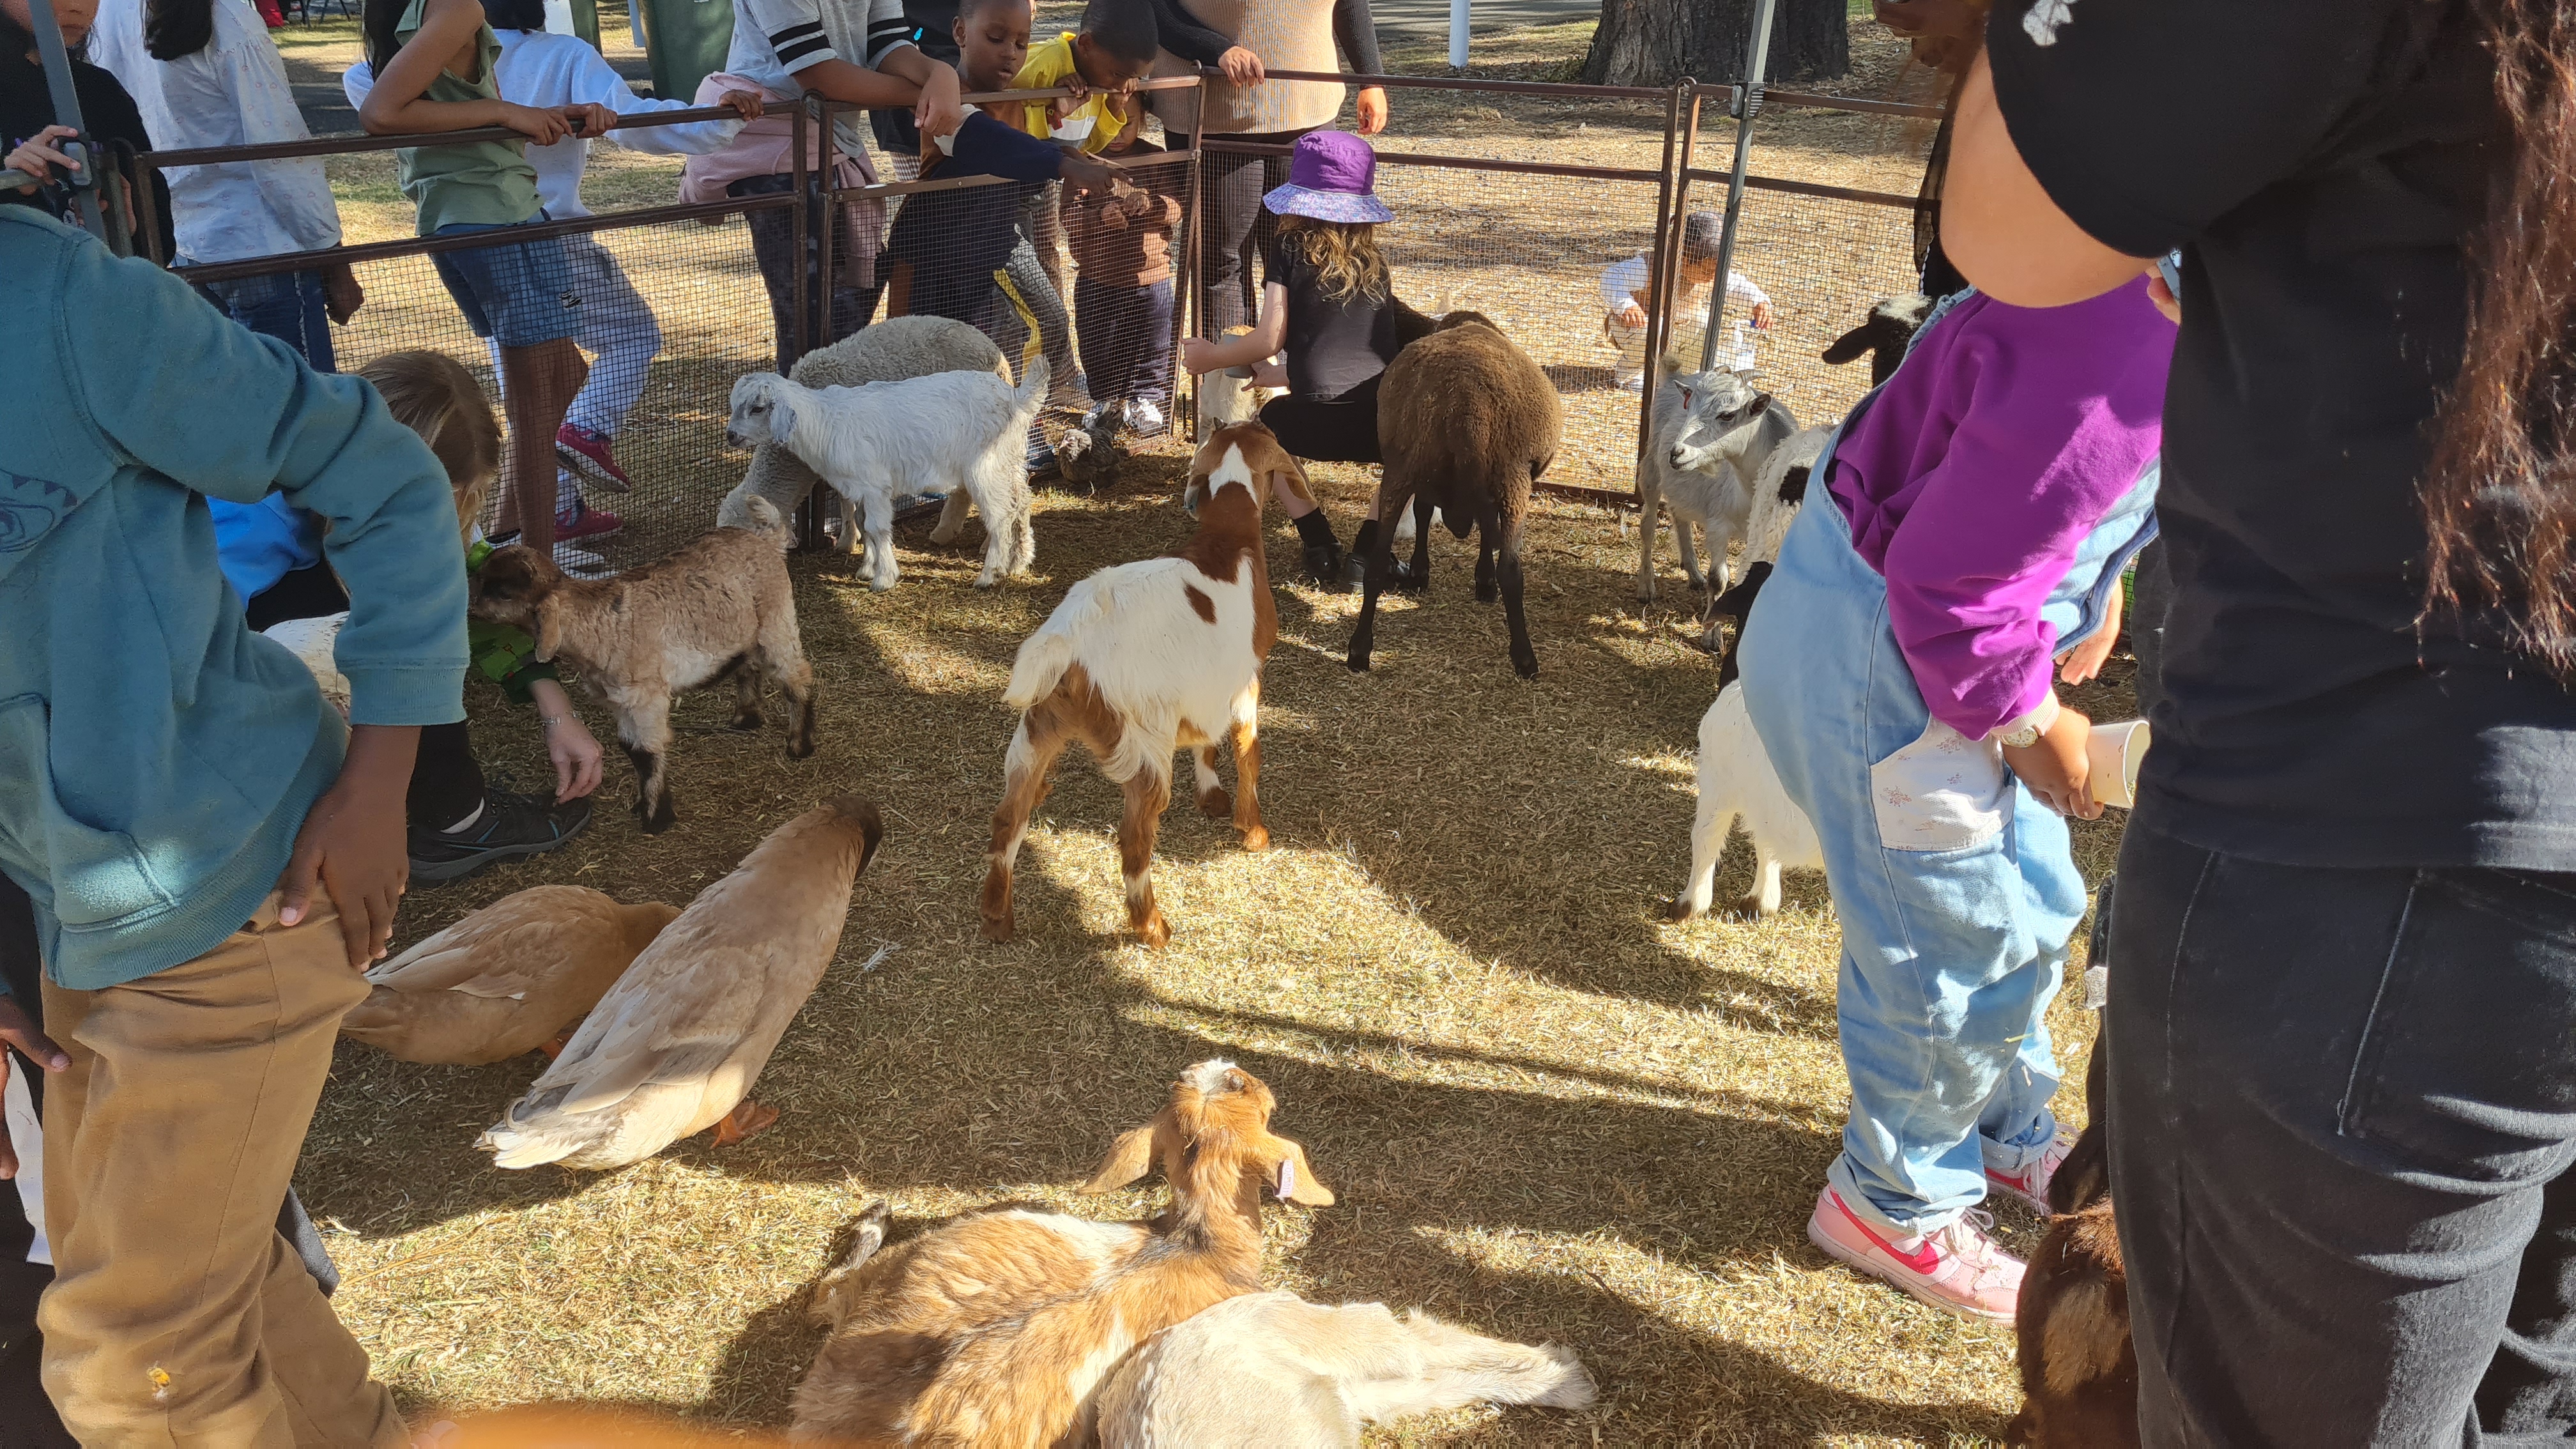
(2023, 738)
(2033, 725)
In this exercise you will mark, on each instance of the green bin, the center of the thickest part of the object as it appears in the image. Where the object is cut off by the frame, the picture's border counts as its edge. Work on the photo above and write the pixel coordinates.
(686, 41)
(574, 17)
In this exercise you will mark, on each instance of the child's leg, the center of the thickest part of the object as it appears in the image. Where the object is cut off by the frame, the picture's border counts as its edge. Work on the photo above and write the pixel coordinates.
(446, 780)
(1956, 896)
(521, 296)
(618, 330)
(1149, 375)
(773, 250)
(540, 383)
(1096, 322)
(1631, 342)
(459, 824)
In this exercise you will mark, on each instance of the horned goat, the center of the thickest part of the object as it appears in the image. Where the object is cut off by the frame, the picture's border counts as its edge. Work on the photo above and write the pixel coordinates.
(1778, 492)
(997, 1330)
(1467, 423)
(1144, 658)
(944, 433)
(718, 608)
(1713, 431)
(1272, 1371)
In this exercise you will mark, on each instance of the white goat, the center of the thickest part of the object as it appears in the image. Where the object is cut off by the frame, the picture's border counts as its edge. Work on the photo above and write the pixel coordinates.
(935, 434)
(1736, 780)
(1272, 1371)
(1713, 431)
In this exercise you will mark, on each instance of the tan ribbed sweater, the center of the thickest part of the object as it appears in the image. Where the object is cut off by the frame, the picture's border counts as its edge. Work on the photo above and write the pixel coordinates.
(1287, 35)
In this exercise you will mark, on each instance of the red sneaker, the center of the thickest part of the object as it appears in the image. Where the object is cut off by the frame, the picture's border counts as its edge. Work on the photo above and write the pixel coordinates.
(1957, 1269)
(586, 523)
(586, 453)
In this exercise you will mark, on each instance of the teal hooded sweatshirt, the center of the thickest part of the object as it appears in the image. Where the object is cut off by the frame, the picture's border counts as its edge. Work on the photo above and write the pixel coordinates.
(156, 756)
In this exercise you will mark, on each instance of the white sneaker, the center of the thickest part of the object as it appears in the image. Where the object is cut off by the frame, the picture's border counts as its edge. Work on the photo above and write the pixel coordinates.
(1957, 1269)
(1144, 419)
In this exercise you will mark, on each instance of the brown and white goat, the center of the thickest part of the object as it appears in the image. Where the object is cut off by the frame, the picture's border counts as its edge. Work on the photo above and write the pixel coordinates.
(717, 608)
(998, 1329)
(1144, 658)
(1466, 422)
(2079, 1366)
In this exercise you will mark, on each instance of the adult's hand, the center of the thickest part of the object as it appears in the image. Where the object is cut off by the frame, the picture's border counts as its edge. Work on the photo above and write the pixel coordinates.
(17, 1029)
(1085, 174)
(1761, 316)
(1240, 66)
(2056, 768)
(939, 112)
(352, 842)
(341, 294)
(2084, 661)
(1371, 104)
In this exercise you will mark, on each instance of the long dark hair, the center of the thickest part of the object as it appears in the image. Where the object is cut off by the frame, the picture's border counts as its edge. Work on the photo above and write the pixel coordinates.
(2499, 500)
(177, 29)
(377, 21)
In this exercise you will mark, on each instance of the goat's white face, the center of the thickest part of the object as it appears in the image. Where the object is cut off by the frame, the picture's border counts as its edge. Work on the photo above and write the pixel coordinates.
(1720, 412)
(1229, 468)
(758, 415)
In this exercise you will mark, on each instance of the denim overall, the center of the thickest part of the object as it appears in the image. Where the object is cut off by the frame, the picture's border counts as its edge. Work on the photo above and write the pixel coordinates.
(1955, 886)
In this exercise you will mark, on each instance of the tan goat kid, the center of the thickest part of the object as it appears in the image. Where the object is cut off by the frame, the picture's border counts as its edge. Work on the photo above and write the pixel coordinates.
(718, 608)
(996, 1331)
(1144, 658)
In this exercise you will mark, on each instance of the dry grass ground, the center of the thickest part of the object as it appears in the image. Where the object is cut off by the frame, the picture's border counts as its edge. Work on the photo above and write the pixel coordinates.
(1549, 1113)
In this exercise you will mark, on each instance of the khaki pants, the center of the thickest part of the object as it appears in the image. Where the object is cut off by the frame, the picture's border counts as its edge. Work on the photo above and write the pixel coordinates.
(178, 1316)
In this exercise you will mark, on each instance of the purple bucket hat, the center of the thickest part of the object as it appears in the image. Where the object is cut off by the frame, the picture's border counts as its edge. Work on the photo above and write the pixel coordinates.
(1332, 176)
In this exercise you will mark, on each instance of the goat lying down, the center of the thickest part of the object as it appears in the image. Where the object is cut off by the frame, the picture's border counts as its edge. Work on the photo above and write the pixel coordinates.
(1272, 1371)
(943, 433)
(1147, 657)
(998, 1329)
(718, 608)
(1713, 432)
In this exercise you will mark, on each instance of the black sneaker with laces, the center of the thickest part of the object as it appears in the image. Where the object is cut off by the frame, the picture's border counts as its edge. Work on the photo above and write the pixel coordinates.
(1324, 568)
(510, 825)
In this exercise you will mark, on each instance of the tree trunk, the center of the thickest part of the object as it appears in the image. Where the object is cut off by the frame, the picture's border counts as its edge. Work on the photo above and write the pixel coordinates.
(1657, 42)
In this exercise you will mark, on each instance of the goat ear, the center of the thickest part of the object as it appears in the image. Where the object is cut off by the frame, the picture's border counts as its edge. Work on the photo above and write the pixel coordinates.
(1849, 346)
(1130, 1157)
(1761, 404)
(549, 629)
(1291, 1178)
(1278, 461)
(782, 419)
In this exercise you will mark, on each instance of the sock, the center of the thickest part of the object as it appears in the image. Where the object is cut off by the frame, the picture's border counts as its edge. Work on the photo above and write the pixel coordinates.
(467, 821)
(1315, 530)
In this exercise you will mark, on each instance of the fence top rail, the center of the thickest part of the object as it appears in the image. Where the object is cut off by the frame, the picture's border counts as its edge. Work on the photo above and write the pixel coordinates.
(1815, 101)
(354, 144)
(1454, 163)
(708, 211)
(1812, 188)
(1463, 83)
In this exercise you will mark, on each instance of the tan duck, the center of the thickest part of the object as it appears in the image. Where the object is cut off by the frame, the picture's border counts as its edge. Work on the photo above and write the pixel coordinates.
(676, 1044)
(504, 980)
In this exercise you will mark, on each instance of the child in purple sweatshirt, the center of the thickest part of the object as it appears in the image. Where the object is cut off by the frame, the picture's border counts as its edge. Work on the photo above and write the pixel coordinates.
(1976, 514)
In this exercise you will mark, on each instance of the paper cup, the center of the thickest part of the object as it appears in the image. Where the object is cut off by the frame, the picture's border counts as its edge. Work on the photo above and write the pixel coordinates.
(2115, 751)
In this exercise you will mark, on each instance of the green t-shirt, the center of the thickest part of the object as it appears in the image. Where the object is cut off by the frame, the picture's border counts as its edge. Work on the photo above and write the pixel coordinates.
(487, 183)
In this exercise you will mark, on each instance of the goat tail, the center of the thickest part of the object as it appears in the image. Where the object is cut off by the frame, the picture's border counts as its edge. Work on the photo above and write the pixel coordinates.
(759, 515)
(1032, 391)
(1048, 653)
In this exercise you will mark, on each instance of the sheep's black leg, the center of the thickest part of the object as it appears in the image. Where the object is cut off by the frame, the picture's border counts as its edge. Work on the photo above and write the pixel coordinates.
(1422, 510)
(1380, 563)
(1508, 574)
(1485, 562)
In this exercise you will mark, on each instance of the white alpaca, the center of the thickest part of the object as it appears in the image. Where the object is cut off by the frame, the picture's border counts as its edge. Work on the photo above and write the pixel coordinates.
(1736, 779)
(936, 434)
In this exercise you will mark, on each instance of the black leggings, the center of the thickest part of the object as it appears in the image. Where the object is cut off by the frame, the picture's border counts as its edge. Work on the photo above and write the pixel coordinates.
(1235, 185)
(1343, 430)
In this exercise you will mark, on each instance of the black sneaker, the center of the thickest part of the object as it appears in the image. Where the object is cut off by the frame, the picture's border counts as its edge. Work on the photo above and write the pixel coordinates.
(510, 825)
(1324, 568)
(1399, 576)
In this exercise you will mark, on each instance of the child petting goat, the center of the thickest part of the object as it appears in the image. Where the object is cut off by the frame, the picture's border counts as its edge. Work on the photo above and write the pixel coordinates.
(934, 434)
(1144, 658)
(719, 608)
(996, 1330)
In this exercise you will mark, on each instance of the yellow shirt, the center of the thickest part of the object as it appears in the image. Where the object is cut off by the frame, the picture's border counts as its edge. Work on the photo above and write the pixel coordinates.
(1049, 66)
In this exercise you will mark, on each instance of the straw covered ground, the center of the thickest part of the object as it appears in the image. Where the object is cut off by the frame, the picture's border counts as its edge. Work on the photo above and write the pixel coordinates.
(1550, 1114)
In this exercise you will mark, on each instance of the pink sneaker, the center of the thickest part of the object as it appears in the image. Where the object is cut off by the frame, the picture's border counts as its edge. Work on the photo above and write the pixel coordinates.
(587, 522)
(2031, 1183)
(1958, 1269)
(587, 453)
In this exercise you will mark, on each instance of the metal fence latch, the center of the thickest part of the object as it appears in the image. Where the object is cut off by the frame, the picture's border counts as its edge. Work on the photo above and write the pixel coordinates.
(1744, 102)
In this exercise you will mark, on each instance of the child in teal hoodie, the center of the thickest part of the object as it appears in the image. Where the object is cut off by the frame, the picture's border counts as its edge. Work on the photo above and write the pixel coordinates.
(172, 791)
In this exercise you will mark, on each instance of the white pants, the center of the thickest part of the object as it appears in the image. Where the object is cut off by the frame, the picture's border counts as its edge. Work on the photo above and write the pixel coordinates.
(619, 333)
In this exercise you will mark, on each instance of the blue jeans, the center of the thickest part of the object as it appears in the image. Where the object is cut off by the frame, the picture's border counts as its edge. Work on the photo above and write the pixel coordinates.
(1956, 889)
(285, 305)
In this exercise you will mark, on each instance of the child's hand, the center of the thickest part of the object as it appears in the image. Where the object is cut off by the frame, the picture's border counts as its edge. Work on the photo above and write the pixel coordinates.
(590, 119)
(2056, 768)
(575, 753)
(939, 112)
(17, 1029)
(1761, 316)
(746, 104)
(352, 843)
(1632, 315)
(543, 125)
(37, 157)
(341, 294)
(1270, 372)
(1240, 66)
(2162, 295)
(2084, 661)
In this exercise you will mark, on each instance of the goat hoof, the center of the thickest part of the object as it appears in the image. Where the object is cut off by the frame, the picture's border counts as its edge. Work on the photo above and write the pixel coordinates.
(880, 585)
(654, 822)
(987, 579)
(1749, 909)
(747, 721)
(1154, 930)
(1217, 805)
(1525, 668)
(1256, 838)
(1359, 664)
(801, 749)
(997, 928)
(1486, 593)
(1681, 910)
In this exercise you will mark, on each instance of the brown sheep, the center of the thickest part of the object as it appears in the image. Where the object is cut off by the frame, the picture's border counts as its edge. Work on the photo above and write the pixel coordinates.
(2079, 1367)
(1467, 422)
(720, 607)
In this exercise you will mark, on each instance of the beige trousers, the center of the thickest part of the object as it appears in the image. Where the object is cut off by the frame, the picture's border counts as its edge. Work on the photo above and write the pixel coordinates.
(178, 1316)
